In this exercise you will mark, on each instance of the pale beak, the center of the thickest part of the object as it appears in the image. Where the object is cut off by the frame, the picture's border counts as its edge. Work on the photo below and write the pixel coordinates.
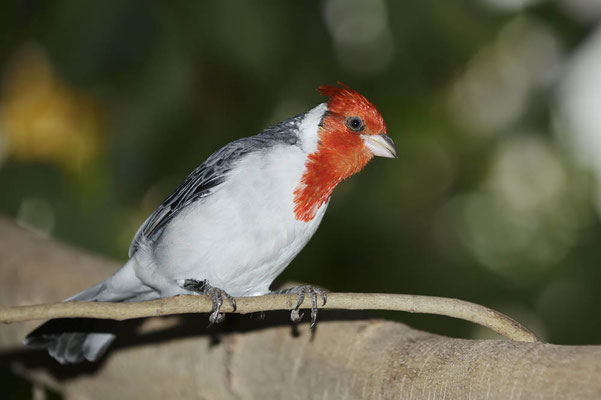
(381, 145)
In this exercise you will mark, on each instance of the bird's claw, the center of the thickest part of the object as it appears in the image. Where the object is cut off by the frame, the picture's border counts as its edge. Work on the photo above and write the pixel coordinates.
(296, 316)
(302, 291)
(215, 294)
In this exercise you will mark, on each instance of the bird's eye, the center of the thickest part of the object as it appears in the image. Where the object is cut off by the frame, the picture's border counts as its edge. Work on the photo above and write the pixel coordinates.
(355, 124)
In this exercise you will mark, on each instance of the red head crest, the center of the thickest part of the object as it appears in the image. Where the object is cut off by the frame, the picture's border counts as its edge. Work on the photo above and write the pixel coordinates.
(346, 132)
(349, 103)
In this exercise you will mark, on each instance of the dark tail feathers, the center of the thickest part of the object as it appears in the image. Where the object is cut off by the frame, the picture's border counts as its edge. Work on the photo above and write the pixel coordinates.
(71, 340)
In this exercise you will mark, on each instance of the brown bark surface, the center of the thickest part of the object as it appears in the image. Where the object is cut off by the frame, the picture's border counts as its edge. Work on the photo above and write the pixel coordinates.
(177, 357)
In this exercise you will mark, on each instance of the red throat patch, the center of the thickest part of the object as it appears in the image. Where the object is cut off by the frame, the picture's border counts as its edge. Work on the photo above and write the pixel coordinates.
(341, 151)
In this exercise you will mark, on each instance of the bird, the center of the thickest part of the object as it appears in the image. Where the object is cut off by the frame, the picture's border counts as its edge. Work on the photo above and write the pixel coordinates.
(238, 220)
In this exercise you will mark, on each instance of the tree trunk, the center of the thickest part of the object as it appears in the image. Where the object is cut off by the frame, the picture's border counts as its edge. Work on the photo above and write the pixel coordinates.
(347, 357)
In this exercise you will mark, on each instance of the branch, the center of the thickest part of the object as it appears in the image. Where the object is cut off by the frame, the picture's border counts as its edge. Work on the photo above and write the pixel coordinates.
(487, 317)
(242, 359)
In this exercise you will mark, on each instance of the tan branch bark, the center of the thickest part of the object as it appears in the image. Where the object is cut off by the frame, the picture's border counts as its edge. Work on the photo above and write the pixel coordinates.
(484, 316)
(343, 359)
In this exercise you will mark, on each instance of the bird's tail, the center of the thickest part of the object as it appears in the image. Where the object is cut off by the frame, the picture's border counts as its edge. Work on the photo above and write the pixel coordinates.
(71, 340)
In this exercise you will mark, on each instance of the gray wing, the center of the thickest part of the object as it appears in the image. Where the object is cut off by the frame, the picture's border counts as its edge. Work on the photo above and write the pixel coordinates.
(209, 175)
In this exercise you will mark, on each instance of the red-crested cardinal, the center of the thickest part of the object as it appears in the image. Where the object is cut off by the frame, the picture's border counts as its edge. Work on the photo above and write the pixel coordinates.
(238, 219)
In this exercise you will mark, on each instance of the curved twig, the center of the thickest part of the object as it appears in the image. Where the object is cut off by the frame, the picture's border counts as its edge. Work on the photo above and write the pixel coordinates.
(481, 315)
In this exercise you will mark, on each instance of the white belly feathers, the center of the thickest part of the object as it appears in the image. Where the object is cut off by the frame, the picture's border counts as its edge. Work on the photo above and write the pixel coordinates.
(242, 236)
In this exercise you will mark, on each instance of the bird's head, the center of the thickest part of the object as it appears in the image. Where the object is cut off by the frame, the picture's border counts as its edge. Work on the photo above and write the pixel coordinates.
(353, 124)
(351, 132)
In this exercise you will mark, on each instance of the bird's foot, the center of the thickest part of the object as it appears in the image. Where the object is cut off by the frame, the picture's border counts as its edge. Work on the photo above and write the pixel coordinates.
(215, 294)
(302, 291)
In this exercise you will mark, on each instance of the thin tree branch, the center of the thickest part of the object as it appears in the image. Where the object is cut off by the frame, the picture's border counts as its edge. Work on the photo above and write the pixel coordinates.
(344, 359)
(487, 317)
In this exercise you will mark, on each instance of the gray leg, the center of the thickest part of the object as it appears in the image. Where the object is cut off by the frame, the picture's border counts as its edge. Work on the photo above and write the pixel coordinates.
(215, 294)
(302, 291)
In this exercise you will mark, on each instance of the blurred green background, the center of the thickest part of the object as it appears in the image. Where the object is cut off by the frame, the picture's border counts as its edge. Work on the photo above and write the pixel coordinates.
(494, 105)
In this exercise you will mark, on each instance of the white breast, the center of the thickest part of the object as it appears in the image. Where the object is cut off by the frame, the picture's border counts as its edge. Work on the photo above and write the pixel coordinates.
(242, 236)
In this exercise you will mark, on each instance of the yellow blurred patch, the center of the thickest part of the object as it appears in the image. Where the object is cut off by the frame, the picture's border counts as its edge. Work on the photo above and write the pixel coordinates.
(42, 118)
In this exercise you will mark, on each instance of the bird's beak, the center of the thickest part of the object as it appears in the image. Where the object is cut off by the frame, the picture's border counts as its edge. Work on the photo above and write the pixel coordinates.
(381, 145)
